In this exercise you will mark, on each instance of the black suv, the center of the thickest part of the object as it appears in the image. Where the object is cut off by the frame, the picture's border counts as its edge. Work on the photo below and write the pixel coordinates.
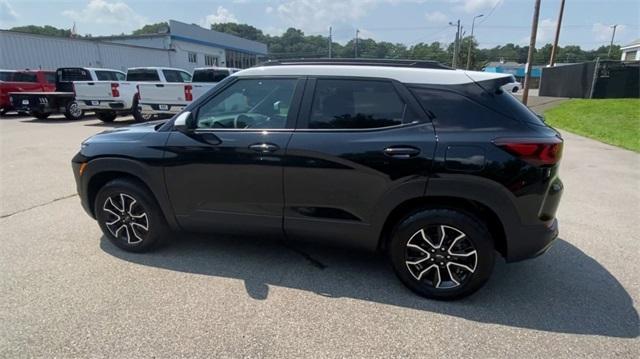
(440, 168)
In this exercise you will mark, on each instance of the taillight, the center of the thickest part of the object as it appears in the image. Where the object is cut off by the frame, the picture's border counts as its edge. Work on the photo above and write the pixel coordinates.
(114, 89)
(188, 96)
(537, 151)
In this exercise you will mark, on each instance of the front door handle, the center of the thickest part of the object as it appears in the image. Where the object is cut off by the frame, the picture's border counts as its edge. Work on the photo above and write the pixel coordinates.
(401, 151)
(263, 147)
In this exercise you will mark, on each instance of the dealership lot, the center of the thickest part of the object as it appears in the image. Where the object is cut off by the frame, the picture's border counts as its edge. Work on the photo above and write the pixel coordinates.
(65, 291)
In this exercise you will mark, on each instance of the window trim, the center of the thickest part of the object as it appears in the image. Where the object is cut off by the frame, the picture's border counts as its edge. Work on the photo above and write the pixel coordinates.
(292, 116)
(404, 95)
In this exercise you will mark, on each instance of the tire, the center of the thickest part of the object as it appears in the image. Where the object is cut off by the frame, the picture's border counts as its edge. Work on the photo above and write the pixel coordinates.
(437, 266)
(106, 116)
(73, 112)
(40, 115)
(137, 115)
(141, 227)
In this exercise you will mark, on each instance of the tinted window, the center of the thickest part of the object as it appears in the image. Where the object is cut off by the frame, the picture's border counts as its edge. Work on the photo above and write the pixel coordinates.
(455, 110)
(25, 77)
(143, 75)
(5, 75)
(74, 74)
(109, 76)
(50, 77)
(210, 75)
(176, 76)
(250, 104)
(345, 104)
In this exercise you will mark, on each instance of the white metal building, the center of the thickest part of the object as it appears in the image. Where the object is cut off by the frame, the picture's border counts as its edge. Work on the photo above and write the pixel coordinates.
(631, 52)
(184, 46)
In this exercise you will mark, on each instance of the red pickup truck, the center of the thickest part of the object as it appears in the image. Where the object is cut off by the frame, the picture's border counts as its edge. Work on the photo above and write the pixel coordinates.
(24, 81)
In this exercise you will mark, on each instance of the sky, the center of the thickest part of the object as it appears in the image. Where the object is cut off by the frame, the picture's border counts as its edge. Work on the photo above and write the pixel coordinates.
(586, 23)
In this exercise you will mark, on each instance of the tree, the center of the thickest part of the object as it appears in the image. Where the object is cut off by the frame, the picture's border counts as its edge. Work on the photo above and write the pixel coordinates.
(43, 30)
(241, 30)
(157, 28)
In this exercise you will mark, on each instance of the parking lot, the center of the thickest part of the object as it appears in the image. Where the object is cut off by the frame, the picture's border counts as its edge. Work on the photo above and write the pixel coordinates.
(65, 291)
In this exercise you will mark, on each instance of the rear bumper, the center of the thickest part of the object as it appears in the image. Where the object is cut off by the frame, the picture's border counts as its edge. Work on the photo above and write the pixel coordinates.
(151, 109)
(532, 241)
(91, 105)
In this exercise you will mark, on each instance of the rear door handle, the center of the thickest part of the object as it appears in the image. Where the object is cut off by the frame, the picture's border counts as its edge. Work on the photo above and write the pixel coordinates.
(263, 147)
(159, 85)
(401, 151)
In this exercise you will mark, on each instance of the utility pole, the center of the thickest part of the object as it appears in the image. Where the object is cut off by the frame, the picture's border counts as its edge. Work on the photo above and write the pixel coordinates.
(473, 23)
(356, 44)
(455, 44)
(330, 40)
(554, 49)
(532, 47)
(460, 40)
(612, 37)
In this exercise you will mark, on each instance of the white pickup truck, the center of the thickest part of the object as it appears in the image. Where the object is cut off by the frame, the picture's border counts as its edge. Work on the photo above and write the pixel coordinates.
(118, 95)
(169, 99)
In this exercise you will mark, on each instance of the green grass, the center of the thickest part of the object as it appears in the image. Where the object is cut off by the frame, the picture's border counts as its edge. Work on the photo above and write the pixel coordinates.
(613, 121)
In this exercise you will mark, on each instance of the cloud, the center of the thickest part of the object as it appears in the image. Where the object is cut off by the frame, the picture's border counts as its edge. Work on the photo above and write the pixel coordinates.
(6, 12)
(546, 31)
(105, 12)
(221, 15)
(317, 15)
(602, 32)
(473, 6)
(436, 17)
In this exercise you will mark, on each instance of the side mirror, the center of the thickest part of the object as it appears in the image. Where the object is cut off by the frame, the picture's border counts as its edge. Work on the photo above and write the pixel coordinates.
(181, 123)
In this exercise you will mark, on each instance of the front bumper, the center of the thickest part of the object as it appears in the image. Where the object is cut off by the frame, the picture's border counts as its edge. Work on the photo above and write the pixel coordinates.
(81, 187)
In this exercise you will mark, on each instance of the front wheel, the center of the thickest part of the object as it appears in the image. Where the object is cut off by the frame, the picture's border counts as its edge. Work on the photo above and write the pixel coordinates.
(40, 115)
(106, 116)
(442, 253)
(73, 112)
(129, 216)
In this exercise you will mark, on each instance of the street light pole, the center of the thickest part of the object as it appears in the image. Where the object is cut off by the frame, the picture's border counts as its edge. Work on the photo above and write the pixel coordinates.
(612, 37)
(554, 49)
(356, 44)
(330, 40)
(473, 23)
(455, 44)
(532, 47)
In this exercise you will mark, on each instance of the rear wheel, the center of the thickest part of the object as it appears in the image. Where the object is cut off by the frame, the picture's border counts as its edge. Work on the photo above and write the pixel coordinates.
(72, 111)
(442, 253)
(129, 216)
(106, 116)
(40, 115)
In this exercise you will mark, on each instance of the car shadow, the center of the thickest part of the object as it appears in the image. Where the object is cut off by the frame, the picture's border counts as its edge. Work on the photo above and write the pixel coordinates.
(115, 124)
(563, 291)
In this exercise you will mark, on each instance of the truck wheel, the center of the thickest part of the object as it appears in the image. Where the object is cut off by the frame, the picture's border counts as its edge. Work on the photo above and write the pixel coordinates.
(40, 115)
(442, 253)
(137, 115)
(72, 111)
(106, 116)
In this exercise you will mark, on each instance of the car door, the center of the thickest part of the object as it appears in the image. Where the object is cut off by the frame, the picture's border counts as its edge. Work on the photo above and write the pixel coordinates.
(226, 175)
(362, 147)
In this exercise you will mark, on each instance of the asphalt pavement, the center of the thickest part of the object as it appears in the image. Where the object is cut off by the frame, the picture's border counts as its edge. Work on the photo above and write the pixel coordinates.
(65, 291)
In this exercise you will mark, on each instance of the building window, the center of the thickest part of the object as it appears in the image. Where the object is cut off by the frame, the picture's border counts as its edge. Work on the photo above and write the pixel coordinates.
(193, 57)
(210, 60)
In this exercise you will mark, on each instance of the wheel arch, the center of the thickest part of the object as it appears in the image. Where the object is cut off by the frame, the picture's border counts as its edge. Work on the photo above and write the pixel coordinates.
(475, 208)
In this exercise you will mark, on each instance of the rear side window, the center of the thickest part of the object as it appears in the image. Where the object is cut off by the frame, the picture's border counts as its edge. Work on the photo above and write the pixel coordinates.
(143, 75)
(25, 77)
(109, 76)
(176, 76)
(453, 110)
(210, 75)
(355, 104)
(74, 74)
(50, 77)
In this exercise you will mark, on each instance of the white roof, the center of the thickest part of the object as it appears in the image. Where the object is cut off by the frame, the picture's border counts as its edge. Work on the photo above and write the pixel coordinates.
(216, 68)
(156, 68)
(401, 74)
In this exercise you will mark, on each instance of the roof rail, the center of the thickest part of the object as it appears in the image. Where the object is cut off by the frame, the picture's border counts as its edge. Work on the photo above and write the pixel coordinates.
(422, 64)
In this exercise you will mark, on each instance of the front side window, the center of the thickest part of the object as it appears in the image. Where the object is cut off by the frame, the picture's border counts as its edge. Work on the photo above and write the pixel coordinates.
(355, 104)
(176, 76)
(25, 77)
(50, 77)
(249, 104)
